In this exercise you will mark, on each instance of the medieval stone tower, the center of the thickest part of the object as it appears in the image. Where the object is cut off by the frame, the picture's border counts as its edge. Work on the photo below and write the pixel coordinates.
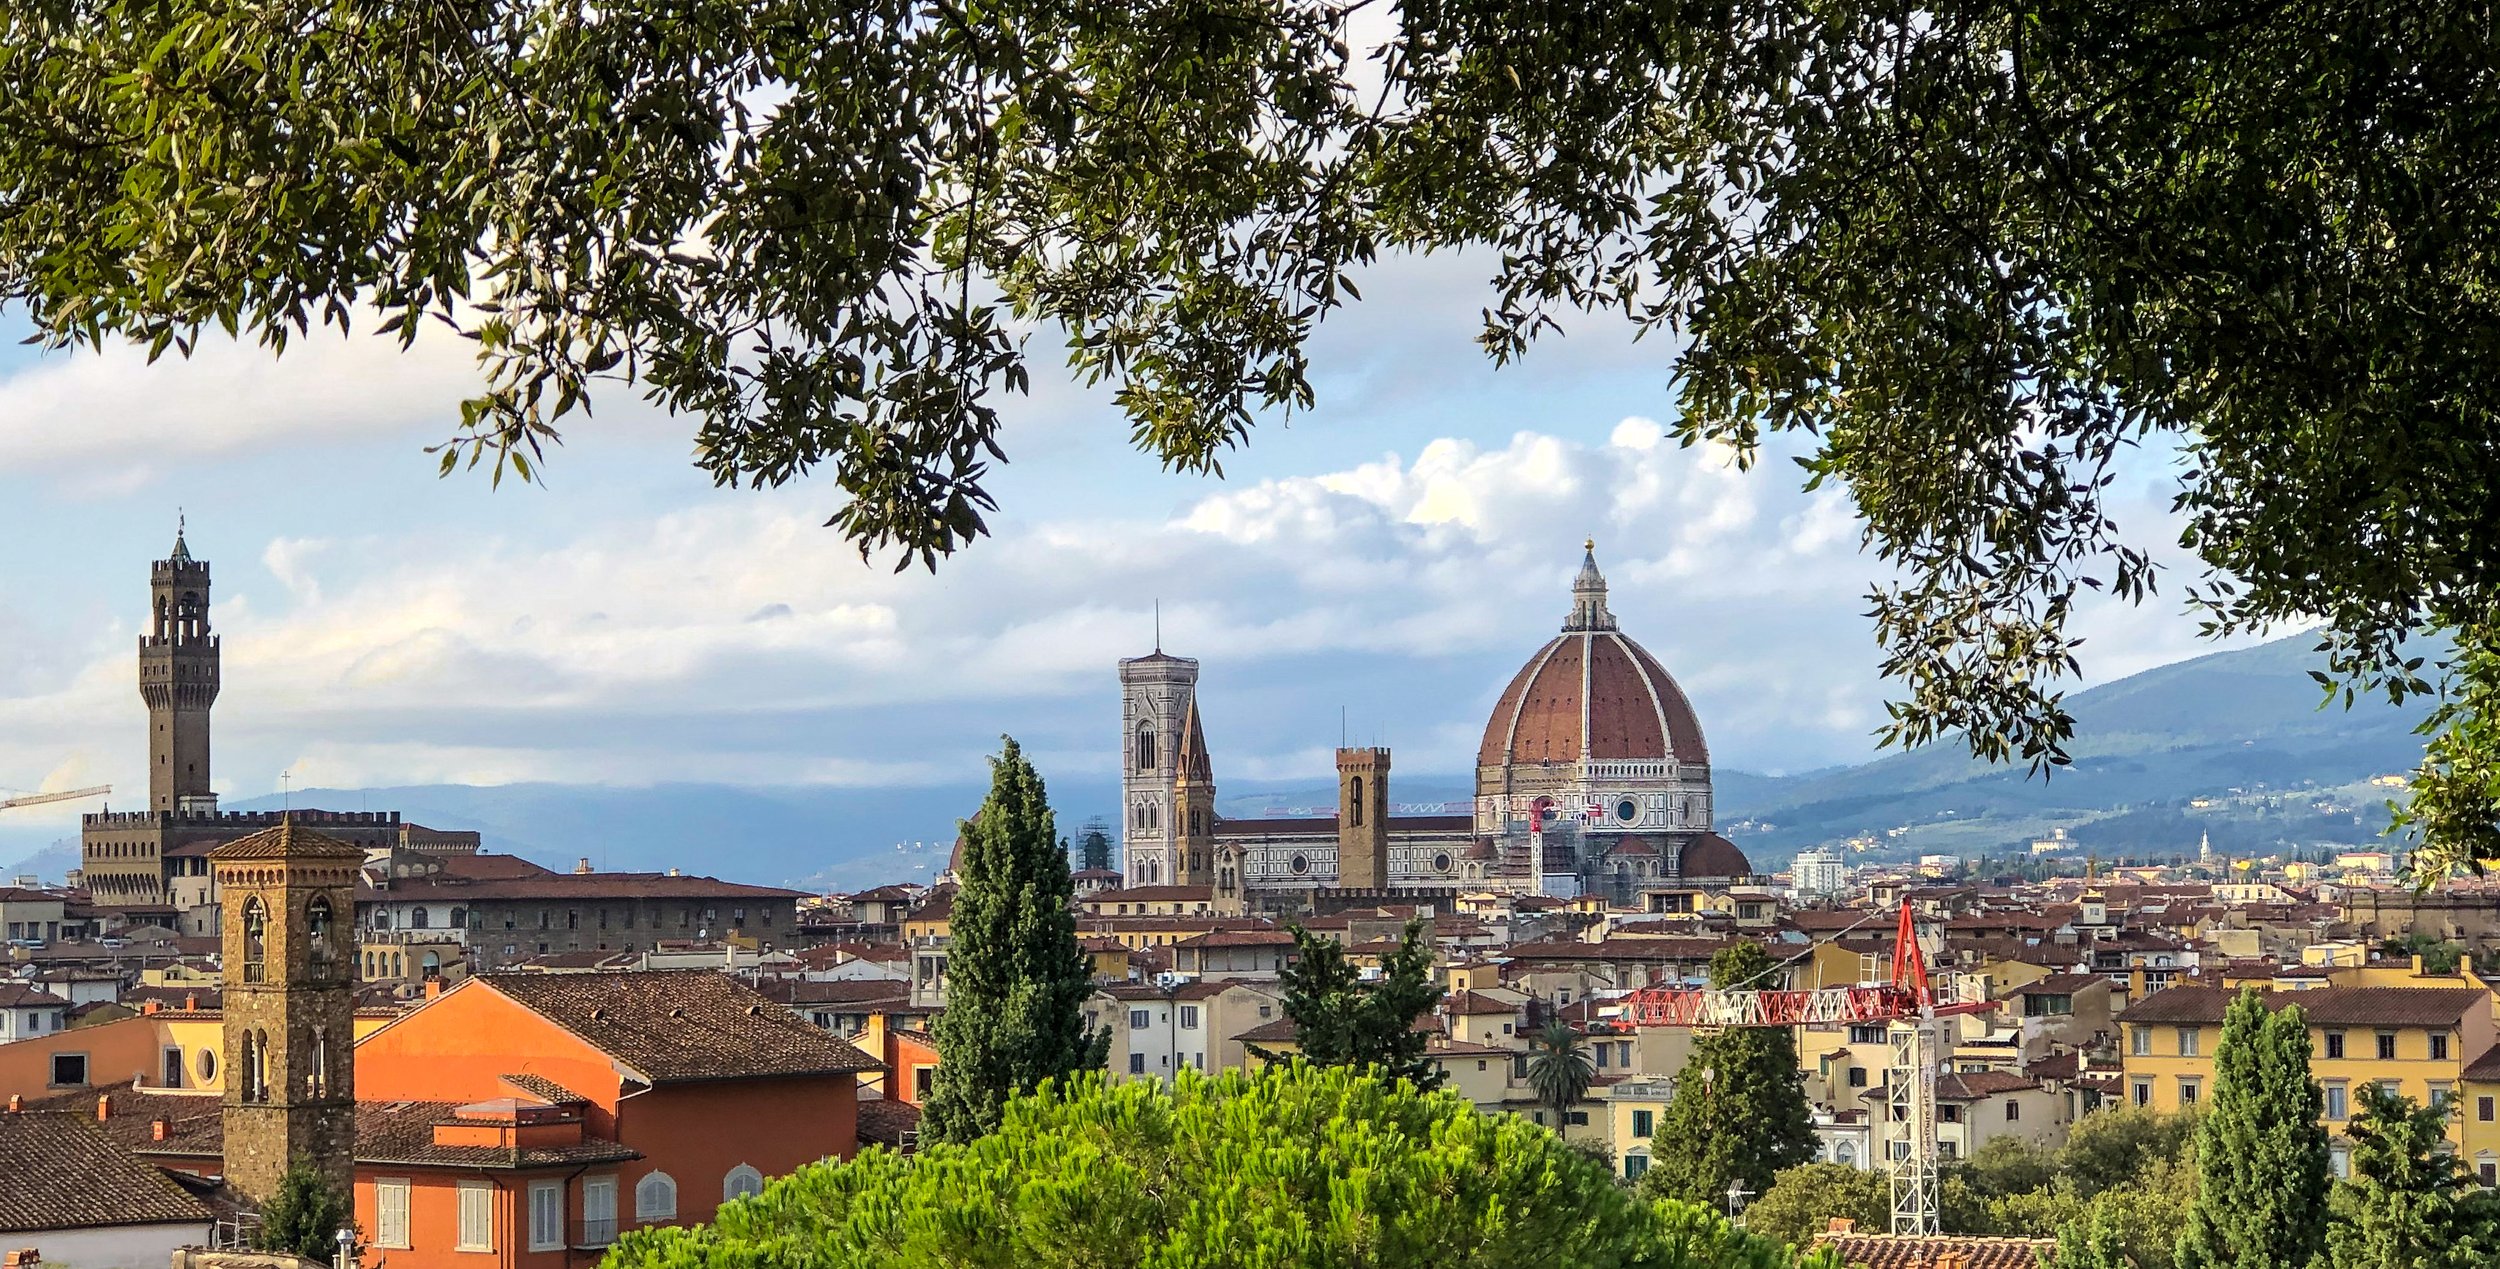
(1362, 819)
(178, 680)
(1157, 693)
(288, 898)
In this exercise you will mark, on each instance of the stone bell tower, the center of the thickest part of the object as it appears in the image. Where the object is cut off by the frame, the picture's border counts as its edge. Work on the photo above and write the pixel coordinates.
(1363, 819)
(178, 680)
(288, 899)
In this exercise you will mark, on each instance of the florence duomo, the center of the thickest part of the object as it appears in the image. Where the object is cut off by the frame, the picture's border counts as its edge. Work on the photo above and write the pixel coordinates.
(1592, 778)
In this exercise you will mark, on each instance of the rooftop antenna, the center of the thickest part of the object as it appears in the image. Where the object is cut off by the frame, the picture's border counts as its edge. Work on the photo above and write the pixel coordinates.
(1341, 727)
(1158, 627)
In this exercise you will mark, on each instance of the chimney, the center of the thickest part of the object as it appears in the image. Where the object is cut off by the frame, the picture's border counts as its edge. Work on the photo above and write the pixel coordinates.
(1362, 819)
(23, 1258)
(158, 1130)
(190, 1001)
(1842, 1225)
(433, 988)
(104, 1107)
(150, 1006)
(581, 866)
(17, 1103)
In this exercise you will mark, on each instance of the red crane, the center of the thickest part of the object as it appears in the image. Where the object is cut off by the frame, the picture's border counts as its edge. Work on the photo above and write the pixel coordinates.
(1910, 997)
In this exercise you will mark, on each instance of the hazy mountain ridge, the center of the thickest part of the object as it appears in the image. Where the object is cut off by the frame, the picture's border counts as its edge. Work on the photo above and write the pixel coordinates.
(2196, 728)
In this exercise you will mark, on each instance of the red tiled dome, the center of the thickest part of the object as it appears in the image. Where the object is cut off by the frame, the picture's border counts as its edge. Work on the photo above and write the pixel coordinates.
(1592, 695)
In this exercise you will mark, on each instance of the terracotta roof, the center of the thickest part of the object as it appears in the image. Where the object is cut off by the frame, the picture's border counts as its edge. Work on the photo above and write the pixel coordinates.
(1468, 1004)
(1155, 894)
(883, 1121)
(1906, 1251)
(2485, 1068)
(20, 894)
(1634, 949)
(21, 996)
(62, 1171)
(886, 894)
(403, 1132)
(680, 1025)
(559, 886)
(544, 1089)
(1971, 1086)
(1711, 855)
(799, 991)
(1238, 938)
(2325, 1006)
(1591, 695)
(288, 841)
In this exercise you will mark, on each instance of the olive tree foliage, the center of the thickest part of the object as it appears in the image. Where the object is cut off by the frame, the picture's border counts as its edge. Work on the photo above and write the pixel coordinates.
(1300, 1165)
(1972, 254)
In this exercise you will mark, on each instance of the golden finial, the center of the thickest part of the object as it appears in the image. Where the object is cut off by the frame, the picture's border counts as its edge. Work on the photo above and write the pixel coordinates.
(1589, 545)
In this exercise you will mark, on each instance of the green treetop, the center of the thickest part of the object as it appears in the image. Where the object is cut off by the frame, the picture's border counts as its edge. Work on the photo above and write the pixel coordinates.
(1739, 1110)
(1016, 978)
(1340, 1020)
(2261, 1157)
(2410, 1203)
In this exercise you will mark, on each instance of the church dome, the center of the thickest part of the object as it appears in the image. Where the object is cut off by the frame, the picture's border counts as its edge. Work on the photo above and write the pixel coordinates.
(1592, 695)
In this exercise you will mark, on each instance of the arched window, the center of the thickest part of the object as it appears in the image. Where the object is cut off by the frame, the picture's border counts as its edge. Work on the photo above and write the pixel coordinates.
(418, 919)
(317, 1080)
(381, 918)
(1358, 802)
(1197, 825)
(459, 919)
(318, 934)
(256, 1051)
(255, 939)
(1145, 747)
(742, 1182)
(433, 965)
(655, 1198)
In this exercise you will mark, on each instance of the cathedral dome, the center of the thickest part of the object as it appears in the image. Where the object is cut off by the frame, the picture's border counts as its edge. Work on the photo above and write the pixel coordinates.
(1592, 695)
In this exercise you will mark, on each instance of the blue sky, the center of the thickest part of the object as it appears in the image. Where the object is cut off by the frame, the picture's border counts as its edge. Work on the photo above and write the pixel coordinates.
(1396, 554)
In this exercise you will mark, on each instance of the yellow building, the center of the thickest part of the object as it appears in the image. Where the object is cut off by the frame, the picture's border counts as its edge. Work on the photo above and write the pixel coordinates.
(2418, 1041)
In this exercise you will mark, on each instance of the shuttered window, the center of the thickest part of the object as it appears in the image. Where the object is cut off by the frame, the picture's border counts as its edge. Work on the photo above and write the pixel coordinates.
(390, 1212)
(477, 1217)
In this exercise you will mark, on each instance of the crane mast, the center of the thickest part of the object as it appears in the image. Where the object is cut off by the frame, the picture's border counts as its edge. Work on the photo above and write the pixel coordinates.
(1909, 1007)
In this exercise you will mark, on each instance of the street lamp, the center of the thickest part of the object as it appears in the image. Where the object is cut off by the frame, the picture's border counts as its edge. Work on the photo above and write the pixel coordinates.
(346, 1238)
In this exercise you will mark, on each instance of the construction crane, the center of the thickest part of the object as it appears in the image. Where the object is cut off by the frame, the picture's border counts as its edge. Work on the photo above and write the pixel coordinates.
(1908, 1005)
(37, 799)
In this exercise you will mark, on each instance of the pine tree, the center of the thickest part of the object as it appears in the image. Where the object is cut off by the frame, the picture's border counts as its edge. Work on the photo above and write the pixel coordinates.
(2261, 1157)
(305, 1215)
(1017, 980)
(1559, 1069)
(1339, 1020)
(1739, 1111)
(2410, 1204)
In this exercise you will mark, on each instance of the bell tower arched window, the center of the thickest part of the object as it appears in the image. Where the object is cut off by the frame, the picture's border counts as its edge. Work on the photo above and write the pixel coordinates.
(255, 940)
(319, 931)
(1145, 747)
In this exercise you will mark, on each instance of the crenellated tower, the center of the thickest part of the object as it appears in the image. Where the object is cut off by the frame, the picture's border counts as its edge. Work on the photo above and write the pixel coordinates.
(178, 680)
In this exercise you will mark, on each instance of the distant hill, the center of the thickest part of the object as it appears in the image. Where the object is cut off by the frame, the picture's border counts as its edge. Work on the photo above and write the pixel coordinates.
(2245, 720)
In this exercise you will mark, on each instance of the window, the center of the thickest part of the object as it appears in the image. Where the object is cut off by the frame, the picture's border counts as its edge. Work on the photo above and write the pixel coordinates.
(546, 1215)
(1641, 1124)
(1866, 1035)
(1949, 1114)
(598, 1211)
(2143, 1090)
(2483, 1110)
(2187, 1041)
(1189, 1017)
(1857, 1077)
(1136, 1063)
(1603, 1055)
(742, 1182)
(2339, 1161)
(1636, 1164)
(923, 1080)
(2334, 1045)
(1579, 1119)
(2140, 1041)
(2189, 1086)
(255, 941)
(2489, 1172)
(69, 1070)
(2013, 1111)
(2045, 1006)
(2441, 1095)
(2386, 1046)
(2392, 1088)
(655, 1198)
(2439, 1046)
(477, 1217)
(173, 1066)
(390, 1212)
(2338, 1103)
(1136, 1019)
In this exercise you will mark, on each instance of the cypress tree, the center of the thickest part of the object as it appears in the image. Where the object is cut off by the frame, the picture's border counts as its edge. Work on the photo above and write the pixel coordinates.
(1339, 1020)
(2261, 1157)
(2410, 1203)
(1017, 980)
(1739, 1111)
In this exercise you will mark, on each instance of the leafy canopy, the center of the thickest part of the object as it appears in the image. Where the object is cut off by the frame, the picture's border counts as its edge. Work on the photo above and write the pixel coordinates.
(305, 1214)
(1016, 977)
(1972, 255)
(1300, 1165)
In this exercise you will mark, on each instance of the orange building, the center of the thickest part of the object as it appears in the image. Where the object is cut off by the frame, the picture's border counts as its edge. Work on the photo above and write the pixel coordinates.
(523, 1121)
